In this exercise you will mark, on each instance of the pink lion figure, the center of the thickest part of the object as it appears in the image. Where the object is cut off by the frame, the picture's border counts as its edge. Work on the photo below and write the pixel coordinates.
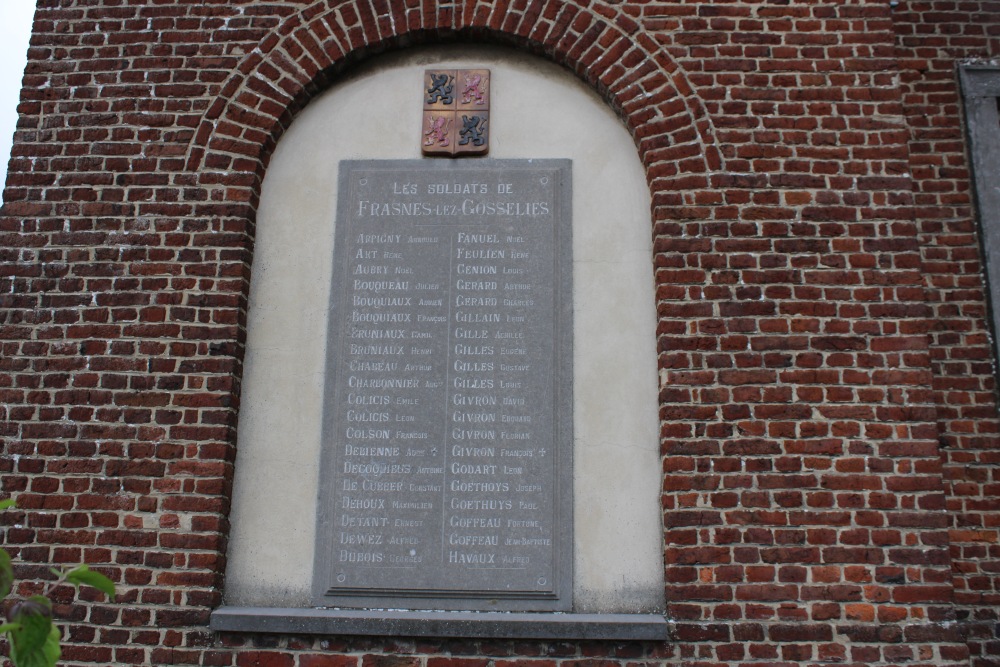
(472, 91)
(437, 131)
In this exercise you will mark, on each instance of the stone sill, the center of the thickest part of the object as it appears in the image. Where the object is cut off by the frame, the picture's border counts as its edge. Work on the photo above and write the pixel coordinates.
(494, 625)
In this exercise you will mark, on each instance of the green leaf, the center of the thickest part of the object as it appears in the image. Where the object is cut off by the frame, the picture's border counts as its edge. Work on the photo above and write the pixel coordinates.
(7, 504)
(6, 574)
(45, 655)
(51, 650)
(84, 575)
(27, 642)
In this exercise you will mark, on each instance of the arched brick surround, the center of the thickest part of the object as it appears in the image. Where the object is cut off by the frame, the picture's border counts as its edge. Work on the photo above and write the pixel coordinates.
(607, 49)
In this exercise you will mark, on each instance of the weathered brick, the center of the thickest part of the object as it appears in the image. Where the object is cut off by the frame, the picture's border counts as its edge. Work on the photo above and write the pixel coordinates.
(828, 415)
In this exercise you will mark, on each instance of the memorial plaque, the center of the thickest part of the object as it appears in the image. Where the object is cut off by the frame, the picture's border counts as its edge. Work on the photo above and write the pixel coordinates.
(446, 478)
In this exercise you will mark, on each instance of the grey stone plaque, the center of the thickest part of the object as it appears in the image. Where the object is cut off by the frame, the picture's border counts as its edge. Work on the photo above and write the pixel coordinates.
(446, 477)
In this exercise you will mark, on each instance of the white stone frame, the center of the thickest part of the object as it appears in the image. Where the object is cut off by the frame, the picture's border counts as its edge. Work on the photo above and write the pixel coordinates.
(540, 111)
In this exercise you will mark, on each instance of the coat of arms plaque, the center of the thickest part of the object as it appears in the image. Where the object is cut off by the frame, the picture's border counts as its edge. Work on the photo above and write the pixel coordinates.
(456, 112)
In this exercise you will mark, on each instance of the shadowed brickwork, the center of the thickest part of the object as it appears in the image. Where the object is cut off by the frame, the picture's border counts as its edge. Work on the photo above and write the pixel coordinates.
(828, 421)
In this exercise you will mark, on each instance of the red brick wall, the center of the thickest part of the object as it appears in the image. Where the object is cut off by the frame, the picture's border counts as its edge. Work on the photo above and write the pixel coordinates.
(931, 37)
(827, 402)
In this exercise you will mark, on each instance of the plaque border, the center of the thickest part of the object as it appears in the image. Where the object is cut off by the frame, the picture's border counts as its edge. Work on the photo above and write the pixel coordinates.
(561, 597)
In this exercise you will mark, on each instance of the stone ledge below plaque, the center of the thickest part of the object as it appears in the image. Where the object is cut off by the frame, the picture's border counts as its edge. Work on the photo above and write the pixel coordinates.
(494, 625)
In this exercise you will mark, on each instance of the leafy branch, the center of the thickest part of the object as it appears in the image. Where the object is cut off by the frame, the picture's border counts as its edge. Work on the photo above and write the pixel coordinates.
(31, 634)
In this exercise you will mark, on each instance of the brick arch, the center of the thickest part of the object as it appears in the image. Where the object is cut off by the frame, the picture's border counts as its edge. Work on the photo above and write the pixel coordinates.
(301, 57)
(606, 48)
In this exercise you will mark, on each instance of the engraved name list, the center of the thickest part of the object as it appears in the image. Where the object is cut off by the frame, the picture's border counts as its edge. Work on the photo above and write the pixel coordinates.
(446, 472)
